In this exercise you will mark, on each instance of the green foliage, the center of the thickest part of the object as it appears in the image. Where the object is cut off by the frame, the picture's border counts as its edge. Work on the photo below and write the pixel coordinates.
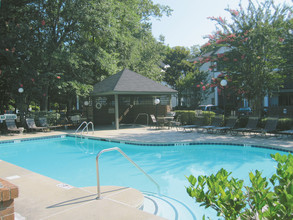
(64, 47)
(182, 74)
(285, 123)
(186, 117)
(223, 195)
(283, 186)
(52, 117)
(232, 200)
(255, 43)
(242, 121)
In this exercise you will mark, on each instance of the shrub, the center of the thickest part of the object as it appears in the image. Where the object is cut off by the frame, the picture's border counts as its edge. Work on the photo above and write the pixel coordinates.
(186, 117)
(285, 123)
(52, 117)
(242, 121)
(189, 117)
(232, 200)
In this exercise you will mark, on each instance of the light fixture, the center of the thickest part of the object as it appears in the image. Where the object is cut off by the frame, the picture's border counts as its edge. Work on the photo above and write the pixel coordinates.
(20, 90)
(223, 82)
(157, 101)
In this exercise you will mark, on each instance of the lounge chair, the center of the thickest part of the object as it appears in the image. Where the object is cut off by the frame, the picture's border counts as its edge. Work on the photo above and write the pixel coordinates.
(270, 127)
(231, 122)
(44, 123)
(286, 132)
(11, 126)
(250, 126)
(198, 123)
(216, 122)
(32, 125)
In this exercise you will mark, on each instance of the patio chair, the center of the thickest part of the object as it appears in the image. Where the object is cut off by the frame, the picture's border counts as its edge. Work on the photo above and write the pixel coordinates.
(216, 122)
(251, 125)
(43, 123)
(231, 122)
(286, 132)
(198, 123)
(270, 127)
(33, 127)
(155, 123)
(176, 123)
(75, 120)
(11, 126)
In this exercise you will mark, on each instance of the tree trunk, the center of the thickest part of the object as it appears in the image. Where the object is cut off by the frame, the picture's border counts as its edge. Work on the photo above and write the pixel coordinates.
(179, 98)
(258, 105)
(69, 106)
(44, 102)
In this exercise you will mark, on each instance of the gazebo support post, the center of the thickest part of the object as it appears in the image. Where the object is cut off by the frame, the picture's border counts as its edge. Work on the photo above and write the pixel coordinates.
(116, 112)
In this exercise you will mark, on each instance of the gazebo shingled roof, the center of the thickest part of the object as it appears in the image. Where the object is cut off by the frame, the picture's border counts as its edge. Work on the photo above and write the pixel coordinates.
(129, 82)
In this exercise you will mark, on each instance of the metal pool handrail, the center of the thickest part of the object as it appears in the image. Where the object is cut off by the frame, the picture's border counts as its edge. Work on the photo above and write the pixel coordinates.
(84, 122)
(129, 159)
(87, 127)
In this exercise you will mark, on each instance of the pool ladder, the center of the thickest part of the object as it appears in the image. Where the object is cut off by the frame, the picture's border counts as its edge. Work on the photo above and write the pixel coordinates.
(85, 127)
(129, 159)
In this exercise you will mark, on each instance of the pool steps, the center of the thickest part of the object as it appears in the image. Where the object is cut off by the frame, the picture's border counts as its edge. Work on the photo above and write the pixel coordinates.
(167, 207)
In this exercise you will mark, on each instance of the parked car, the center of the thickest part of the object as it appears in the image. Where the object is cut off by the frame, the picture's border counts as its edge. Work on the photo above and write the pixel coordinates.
(244, 111)
(211, 108)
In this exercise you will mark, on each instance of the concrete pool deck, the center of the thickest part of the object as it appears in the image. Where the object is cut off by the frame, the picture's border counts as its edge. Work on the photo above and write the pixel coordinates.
(42, 197)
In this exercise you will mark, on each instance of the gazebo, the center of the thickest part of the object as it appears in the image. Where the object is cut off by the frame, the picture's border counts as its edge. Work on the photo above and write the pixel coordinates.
(121, 97)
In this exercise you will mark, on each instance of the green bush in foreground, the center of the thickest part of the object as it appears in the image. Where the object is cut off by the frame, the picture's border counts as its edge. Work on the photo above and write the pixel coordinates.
(232, 200)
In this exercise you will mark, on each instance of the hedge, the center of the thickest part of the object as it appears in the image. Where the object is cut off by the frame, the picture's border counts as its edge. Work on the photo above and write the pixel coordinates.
(188, 117)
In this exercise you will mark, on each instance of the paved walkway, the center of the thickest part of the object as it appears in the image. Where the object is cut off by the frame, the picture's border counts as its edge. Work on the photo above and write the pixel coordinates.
(150, 135)
(146, 134)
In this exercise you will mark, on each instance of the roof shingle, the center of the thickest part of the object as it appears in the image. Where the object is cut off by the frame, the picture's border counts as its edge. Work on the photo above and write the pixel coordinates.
(129, 82)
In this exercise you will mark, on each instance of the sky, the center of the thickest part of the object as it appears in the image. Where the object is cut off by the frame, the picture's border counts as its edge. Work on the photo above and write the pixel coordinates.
(189, 21)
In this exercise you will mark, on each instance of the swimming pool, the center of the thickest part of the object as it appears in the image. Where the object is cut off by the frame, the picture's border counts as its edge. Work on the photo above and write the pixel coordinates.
(72, 161)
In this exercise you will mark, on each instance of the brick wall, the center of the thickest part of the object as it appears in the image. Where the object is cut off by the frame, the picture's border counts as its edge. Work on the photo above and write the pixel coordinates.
(8, 192)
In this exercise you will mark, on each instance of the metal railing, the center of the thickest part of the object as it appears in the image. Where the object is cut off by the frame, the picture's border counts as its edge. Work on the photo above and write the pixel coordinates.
(85, 127)
(84, 122)
(129, 159)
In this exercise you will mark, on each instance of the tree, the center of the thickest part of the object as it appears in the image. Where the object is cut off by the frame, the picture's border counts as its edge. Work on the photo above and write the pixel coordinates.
(50, 46)
(182, 74)
(252, 41)
(232, 200)
(287, 54)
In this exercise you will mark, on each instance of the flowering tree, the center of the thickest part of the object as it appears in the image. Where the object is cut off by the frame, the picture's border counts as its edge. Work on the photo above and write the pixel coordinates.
(252, 45)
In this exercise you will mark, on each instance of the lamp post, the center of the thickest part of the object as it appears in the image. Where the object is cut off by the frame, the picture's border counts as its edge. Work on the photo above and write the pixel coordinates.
(224, 83)
(86, 104)
(21, 90)
(157, 101)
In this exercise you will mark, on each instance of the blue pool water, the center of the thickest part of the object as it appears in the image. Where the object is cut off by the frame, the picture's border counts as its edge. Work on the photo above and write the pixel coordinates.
(72, 161)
